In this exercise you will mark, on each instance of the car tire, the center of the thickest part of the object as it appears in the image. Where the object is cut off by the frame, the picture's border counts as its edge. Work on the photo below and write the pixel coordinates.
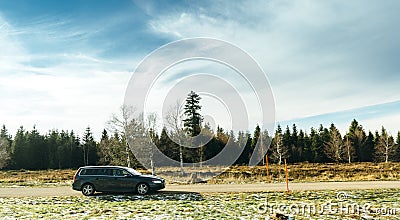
(142, 188)
(88, 189)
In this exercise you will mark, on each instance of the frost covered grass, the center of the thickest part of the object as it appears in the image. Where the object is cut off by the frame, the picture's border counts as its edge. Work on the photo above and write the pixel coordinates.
(170, 205)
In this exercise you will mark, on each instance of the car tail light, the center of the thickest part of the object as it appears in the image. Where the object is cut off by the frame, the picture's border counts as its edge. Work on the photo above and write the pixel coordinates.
(76, 173)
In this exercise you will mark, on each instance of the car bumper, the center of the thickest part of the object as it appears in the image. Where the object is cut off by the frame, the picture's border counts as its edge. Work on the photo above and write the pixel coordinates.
(76, 186)
(157, 186)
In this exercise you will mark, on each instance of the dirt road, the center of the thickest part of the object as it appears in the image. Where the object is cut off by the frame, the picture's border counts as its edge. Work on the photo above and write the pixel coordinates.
(212, 188)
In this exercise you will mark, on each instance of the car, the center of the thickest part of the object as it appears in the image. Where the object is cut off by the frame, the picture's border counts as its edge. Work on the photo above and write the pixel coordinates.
(91, 179)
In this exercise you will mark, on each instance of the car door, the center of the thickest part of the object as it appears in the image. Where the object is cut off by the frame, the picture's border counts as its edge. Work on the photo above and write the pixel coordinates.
(101, 180)
(121, 181)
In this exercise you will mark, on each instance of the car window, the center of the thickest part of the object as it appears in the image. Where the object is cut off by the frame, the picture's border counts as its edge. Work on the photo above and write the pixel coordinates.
(83, 172)
(109, 172)
(120, 172)
(124, 172)
(99, 172)
(117, 172)
(134, 172)
(88, 172)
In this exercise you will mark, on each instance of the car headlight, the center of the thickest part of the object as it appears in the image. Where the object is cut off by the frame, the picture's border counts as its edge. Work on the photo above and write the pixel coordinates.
(156, 181)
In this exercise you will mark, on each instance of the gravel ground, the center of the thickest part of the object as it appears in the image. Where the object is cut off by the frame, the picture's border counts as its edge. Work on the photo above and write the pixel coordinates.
(212, 188)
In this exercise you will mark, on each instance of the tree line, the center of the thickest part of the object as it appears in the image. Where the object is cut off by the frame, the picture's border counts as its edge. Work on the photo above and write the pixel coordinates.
(64, 149)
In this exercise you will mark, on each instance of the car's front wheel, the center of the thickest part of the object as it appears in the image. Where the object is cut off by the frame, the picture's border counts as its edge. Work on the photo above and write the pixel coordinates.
(142, 188)
(88, 189)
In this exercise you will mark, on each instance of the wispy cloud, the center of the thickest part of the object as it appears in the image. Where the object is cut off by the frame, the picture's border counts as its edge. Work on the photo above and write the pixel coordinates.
(371, 117)
(68, 67)
(320, 57)
(57, 89)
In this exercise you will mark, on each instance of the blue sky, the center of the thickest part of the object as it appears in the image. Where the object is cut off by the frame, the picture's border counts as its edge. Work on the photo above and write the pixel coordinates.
(66, 64)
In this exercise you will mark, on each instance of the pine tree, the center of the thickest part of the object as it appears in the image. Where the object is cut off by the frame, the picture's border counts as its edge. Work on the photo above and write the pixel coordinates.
(324, 135)
(192, 122)
(104, 149)
(287, 142)
(307, 152)
(367, 150)
(167, 147)
(37, 151)
(315, 147)
(20, 154)
(397, 148)
(76, 150)
(89, 148)
(244, 141)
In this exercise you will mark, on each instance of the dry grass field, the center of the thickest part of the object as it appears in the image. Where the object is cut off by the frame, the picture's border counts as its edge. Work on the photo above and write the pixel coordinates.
(311, 172)
(302, 172)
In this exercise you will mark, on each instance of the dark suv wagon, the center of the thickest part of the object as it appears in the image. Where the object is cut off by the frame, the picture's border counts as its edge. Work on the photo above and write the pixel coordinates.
(114, 179)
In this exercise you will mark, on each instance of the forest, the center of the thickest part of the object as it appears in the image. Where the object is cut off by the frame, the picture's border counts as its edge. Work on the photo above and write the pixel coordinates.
(29, 149)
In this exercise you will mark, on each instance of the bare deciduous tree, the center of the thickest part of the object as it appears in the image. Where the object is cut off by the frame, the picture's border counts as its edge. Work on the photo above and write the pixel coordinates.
(385, 147)
(121, 124)
(348, 148)
(4, 152)
(279, 150)
(334, 148)
(150, 129)
(174, 119)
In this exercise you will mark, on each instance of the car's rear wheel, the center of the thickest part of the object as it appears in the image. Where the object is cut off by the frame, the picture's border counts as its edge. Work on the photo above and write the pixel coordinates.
(142, 188)
(88, 189)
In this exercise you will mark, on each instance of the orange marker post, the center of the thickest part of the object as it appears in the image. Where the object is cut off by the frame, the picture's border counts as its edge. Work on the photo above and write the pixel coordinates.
(287, 177)
(266, 164)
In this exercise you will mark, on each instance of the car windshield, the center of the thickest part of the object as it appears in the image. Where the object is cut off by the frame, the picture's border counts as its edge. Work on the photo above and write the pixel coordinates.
(134, 172)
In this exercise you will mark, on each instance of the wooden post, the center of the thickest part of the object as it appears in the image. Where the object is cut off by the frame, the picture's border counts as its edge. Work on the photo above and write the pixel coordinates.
(266, 164)
(287, 177)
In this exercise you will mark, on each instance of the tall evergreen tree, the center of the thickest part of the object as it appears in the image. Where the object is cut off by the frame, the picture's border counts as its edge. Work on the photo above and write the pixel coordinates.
(104, 149)
(192, 122)
(325, 136)
(89, 148)
(296, 149)
(244, 141)
(76, 150)
(37, 151)
(52, 142)
(316, 148)
(167, 146)
(367, 150)
(256, 137)
(307, 152)
(287, 142)
(397, 147)
(20, 154)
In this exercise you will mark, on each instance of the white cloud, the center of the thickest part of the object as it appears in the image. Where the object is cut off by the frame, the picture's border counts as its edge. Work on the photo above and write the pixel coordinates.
(314, 53)
(76, 91)
(320, 57)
